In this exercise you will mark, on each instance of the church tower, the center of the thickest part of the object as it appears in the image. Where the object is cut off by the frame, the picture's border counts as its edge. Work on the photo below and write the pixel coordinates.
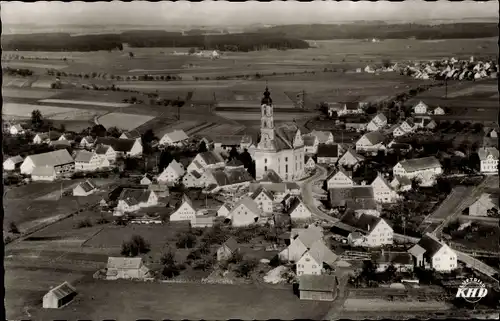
(267, 122)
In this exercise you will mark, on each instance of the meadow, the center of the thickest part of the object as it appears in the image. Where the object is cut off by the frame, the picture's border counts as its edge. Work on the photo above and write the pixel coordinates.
(123, 121)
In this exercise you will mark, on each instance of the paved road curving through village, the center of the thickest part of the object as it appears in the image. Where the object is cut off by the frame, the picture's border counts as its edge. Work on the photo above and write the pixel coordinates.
(308, 194)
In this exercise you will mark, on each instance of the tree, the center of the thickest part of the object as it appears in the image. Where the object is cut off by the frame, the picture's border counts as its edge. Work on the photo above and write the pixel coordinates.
(185, 240)
(13, 228)
(191, 51)
(36, 119)
(165, 159)
(246, 159)
(131, 55)
(137, 245)
(148, 136)
(113, 132)
(98, 130)
(245, 267)
(386, 63)
(233, 153)
(202, 147)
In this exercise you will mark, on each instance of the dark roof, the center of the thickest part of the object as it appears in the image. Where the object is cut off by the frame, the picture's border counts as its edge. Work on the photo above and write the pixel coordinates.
(195, 174)
(267, 98)
(392, 257)
(211, 157)
(295, 201)
(88, 185)
(101, 149)
(328, 150)
(271, 176)
(352, 105)
(260, 190)
(323, 283)
(430, 244)
(292, 185)
(231, 244)
(341, 229)
(365, 222)
(309, 140)
(234, 163)
(341, 196)
(134, 196)
(63, 290)
(119, 145)
(416, 164)
(132, 134)
(400, 146)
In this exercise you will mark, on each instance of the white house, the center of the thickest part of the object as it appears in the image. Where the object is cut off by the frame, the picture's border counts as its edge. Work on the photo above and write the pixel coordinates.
(12, 163)
(371, 142)
(146, 179)
(193, 179)
(350, 108)
(59, 296)
(350, 159)
(89, 161)
(310, 164)
(340, 179)
(323, 137)
(45, 138)
(407, 125)
(377, 123)
(202, 161)
(312, 262)
(438, 111)
(16, 129)
(301, 240)
(106, 153)
(383, 191)
(369, 230)
(431, 253)
(133, 134)
(185, 212)
(328, 154)
(420, 108)
(67, 137)
(245, 212)
(126, 268)
(488, 157)
(60, 160)
(85, 188)
(396, 130)
(87, 142)
(298, 210)
(484, 205)
(224, 210)
(131, 200)
(426, 169)
(174, 138)
(43, 173)
(401, 183)
(264, 199)
(172, 173)
(122, 147)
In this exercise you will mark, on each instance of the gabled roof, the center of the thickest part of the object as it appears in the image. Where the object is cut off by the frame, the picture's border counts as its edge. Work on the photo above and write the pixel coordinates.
(417, 164)
(52, 135)
(177, 136)
(489, 199)
(17, 127)
(231, 244)
(353, 153)
(307, 235)
(87, 186)
(60, 143)
(430, 244)
(309, 140)
(366, 223)
(392, 257)
(176, 167)
(339, 196)
(44, 171)
(374, 137)
(225, 177)
(341, 170)
(320, 250)
(102, 149)
(294, 203)
(134, 196)
(119, 145)
(384, 181)
(271, 176)
(132, 134)
(186, 199)
(83, 156)
(322, 283)
(211, 157)
(15, 159)
(402, 180)
(484, 152)
(63, 290)
(55, 158)
(322, 136)
(380, 117)
(260, 190)
(328, 150)
(89, 139)
(124, 263)
(250, 204)
(352, 105)
(234, 163)
(228, 140)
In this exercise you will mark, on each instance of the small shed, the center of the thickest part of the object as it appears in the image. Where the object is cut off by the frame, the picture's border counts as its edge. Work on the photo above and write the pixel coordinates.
(85, 188)
(227, 249)
(317, 287)
(59, 296)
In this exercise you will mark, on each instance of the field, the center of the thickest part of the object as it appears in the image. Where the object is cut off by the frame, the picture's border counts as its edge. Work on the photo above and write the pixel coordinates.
(123, 121)
(82, 102)
(50, 112)
(26, 93)
(359, 305)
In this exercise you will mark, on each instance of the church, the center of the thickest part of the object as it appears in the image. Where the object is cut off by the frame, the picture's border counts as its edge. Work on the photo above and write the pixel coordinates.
(280, 148)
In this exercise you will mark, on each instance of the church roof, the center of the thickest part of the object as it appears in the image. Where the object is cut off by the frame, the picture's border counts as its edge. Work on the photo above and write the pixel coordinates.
(267, 98)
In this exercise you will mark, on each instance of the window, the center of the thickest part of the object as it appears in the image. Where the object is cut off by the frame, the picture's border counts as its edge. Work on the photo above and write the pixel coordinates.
(265, 160)
(265, 168)
(286, 168)
(286, 159)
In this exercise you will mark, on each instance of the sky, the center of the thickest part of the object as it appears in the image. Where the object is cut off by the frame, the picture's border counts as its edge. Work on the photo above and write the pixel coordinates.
(243, 13)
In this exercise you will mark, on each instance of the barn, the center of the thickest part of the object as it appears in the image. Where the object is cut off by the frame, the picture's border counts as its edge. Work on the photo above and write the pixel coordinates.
(59, 296)
(317, 287)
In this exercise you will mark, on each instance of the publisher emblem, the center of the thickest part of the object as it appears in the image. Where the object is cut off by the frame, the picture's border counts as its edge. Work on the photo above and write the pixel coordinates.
(472, 290)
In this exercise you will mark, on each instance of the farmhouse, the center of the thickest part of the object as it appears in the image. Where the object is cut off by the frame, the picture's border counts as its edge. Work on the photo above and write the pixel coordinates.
(202, 221)
(488, 157)
(369, 230)
(402, 261)
(485, 205)
(340, 179)
(202, 161)
(185, 211)
(298, 210)
(359, 199)
(328, 154)
(438, 111)
(59, 296)
(60, 160)
(43, 173)
(350, 108)
(160, 190)
(357, 126)
(89, 161)
(310, 144)
(317, 287)
(371, 142)
(172, 173)
(45, 138)
(12, 163)
(226, 250)
(420, 108)
(431, 253)
(228, 179)
(16, 129)
(245, 212)
(123, 147)
(313, 261)
(264, 199)
(279, 190)
(280, 148)
(350, 159)
(106, 153)
(323, 137)
(193, 179)
(377, 123)
(131, 200)
(425, 169)
(301, 240)
(383, 191)
(401, 183)
(87, 142)
(224, 210)
(174, 138)
(85, 188)
(126, 268)
(59, 144)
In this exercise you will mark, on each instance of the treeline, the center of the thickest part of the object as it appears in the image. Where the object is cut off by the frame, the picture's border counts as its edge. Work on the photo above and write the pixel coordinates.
(385, 31)
(17, 72)
(148, 38)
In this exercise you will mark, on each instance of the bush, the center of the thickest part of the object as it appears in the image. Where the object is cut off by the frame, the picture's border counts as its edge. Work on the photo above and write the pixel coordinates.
(137, 245)
(185, 240)
(83, 223)
(245, 267)
(13, 228)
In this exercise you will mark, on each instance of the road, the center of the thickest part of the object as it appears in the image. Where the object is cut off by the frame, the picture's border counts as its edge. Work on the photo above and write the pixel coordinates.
(307, 193)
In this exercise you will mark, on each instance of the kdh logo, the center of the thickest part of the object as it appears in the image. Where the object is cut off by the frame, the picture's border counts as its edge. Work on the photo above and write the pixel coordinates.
(472, 290)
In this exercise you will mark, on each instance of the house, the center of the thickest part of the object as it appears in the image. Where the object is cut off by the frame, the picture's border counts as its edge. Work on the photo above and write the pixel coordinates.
(234, 164)
(89, 161)
(106, 153)
(340, 179)
(122, 147)
(224, 143)
(224, 210)
(359, 199)
(431, 253)
(350, 108)
(193, 179)
(484, 205)
(59, 296)
(350, 159)
(369, 230)
(174, 138)
(131, 200)
(245, 212)
(16, 129)
(301, 240)
(226, 250)
(126, 268)
(488, 157)
(185, 211)
(401, 183)
(58, 144)
(323, 137)
(202, 161)
(60, 160)
(438, 111)
(328, 154)
(420, 108)
(383, 191)
(298, 210)
(313, 260)
(45, 138)
(407, 126)
(317, 287)
(227, 179)
(310, 144)
(202, 221)
(310, 163)
(85, 188)
(492, 133)
(147, 219)
(146, 179)
(377, 123)
(264, 199)
(357, 126)
(401, 147)
(396, 130)
(12, 163)
(69, 137)
(425, 169)
(133, 134)
(87, 142)
(371, 142)
(43, 173)
(160, 190)
(172, 173)
(402, 261)
(279, 190)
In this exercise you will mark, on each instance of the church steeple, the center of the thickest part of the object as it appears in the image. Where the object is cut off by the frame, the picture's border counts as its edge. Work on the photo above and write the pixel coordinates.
(267, 97)
(267, 120)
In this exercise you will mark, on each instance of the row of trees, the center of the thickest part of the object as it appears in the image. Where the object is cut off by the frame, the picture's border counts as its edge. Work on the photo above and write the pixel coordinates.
(17, 72)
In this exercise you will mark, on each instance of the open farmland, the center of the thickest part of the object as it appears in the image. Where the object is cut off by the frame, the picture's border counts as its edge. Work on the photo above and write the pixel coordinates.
(82, 102)
(31, 64)
(50, 112)
(123, 121)
(26, 93)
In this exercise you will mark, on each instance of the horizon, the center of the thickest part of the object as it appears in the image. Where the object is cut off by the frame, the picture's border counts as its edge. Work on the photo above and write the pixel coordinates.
(223, 13)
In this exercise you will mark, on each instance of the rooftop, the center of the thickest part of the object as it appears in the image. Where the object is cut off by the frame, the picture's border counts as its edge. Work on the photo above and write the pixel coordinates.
(324, 283)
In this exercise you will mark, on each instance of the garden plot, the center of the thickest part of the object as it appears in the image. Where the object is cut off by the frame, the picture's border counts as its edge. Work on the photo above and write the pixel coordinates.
(123, 121)
(26, 93)
(49, 112)
(83, 102)
(15, 82)
(477, 89)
